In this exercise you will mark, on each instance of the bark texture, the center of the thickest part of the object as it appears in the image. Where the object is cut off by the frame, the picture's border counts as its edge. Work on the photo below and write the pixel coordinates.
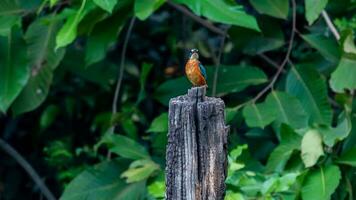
(196, 150)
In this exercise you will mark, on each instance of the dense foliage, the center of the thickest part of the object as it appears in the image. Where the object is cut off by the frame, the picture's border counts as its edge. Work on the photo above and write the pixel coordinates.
(84, 88)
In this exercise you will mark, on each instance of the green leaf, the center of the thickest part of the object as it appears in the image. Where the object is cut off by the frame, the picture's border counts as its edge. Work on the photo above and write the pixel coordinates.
(159, 124)
(309, 87)
(139, 170)
(274, 8)
(40, 38)
(68, 32)
(259, 115)
(124, 146)
(14, 68)
(230, 195)
(348, 158)
(171, 88)
(9, 7)
(327, 47)
(157, 189)
(235, 78)
(107, 5)
(7, 22)
(288, 109)
(344, 77)
(312, 147)
(144, 8)
(103, 182)
(220, 11)
(252, 42)
(104, 35)
(313, 9)
(321, 183)
(279, 157)
(48, 116)
(332, 135)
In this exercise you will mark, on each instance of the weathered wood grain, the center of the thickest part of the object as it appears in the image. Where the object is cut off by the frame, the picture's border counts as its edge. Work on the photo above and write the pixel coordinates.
(196, 149)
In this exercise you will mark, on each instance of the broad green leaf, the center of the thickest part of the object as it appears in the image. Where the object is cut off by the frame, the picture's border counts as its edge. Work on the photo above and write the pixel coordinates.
(321, 183)
(313, 9)
(139, 170)
(48, 116)
(312, 147)
(344, 77)
(309, 87)
(327, 47)
(252, 42)
(290, 141)
(274, 8)
(144, 8)
(348, 158)
(232, 78)
(52, 2)
(235, 78)
(124, 146)
(157, 189)
(288, 109)
(7, 22)
(104, 35)
(220, 11)
(68, 32)
(332, 135)
(40, 38)
(14, 68)
(103, 182)
(107, 5)
(159, 124)
(259, 115)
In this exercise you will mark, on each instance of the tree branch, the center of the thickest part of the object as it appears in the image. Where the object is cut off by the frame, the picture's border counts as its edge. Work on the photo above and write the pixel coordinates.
(196, 18)
(330, 25)
(286, 58)
(28, 168)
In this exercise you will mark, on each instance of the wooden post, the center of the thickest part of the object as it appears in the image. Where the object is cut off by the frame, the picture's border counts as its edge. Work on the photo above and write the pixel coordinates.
(196, 150)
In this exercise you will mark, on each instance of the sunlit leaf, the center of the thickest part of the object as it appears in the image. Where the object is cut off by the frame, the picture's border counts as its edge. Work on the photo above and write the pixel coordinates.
(312, 147)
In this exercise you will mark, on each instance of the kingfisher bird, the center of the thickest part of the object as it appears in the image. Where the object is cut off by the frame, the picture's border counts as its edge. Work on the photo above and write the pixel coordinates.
(194, 70)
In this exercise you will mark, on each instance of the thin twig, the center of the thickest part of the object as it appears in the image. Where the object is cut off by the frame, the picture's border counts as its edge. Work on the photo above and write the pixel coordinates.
(330, 24)
(120, 76)
(286, 58)
(28, 168)
(122, 66)
(218, 62)
(203, 22)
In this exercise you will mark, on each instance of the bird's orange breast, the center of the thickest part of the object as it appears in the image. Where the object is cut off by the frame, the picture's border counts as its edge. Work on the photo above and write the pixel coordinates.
(194, 74)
